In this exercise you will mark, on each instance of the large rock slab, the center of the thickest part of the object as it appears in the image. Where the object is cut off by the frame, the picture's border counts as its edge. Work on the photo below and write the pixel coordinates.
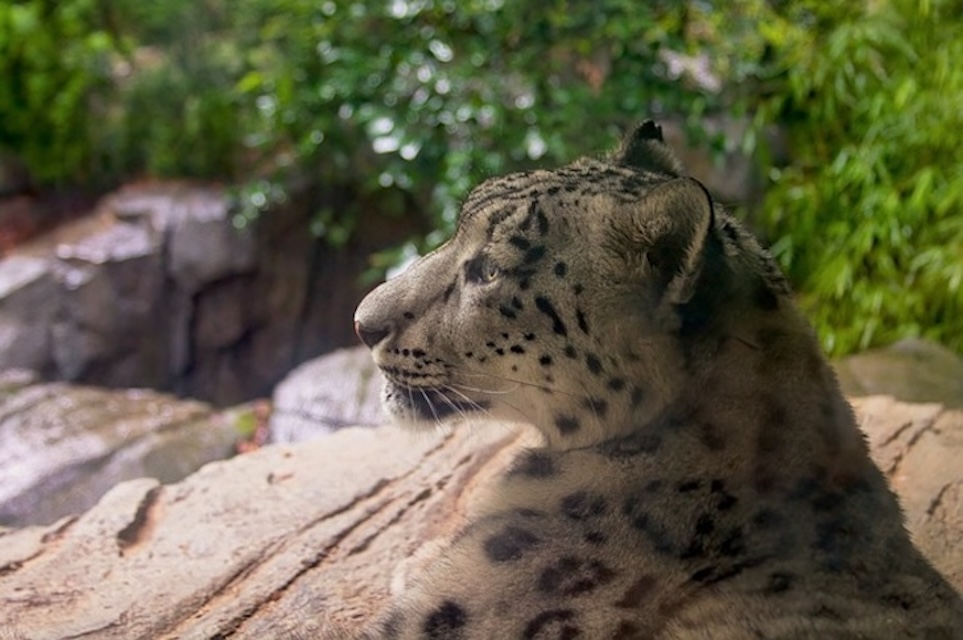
(293, 539)
(246, 547)
(920, 449)
(63, 446)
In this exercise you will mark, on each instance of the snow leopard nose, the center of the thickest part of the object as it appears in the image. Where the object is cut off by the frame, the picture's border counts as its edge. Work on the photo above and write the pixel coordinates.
(370, 336)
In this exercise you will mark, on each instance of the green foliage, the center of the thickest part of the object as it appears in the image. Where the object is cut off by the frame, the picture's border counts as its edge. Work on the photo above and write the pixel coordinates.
(867, 218)
(433, 96)
(51, 63)
(98, 92)
(408, 103)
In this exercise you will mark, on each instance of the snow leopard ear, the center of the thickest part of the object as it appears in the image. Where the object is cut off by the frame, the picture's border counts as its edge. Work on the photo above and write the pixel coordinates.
(672, 224)
(645, 149)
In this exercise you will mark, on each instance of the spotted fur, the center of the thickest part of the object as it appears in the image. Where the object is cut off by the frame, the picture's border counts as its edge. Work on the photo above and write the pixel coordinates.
(701, 474)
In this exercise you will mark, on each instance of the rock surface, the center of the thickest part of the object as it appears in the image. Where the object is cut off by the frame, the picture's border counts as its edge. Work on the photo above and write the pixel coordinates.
(63, 446)
(334, 391)
(157, 288)
(290, 539)
(913, 370)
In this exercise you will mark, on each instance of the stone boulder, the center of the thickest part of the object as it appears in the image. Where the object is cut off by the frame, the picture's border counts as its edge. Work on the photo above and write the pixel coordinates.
(63, 446)
(913, 370)
(159, 287)
(296, 540)
(334, 391)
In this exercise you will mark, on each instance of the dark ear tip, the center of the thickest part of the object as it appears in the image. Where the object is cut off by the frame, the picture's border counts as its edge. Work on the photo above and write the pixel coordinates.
(645, 149)
(648, 130)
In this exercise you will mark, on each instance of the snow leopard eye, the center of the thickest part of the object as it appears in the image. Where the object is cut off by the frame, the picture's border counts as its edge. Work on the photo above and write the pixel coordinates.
(481, 270)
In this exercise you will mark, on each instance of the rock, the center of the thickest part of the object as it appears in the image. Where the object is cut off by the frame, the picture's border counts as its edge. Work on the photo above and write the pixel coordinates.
(29, 303)
(328, 393)
(63, 446)
(913, 370)
(158, 288)
(293, 539)
(112, 284)
(919, 448)
(233, 548)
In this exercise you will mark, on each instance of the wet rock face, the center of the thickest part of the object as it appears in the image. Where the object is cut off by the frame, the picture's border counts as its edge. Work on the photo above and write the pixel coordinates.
(63, 446)
(159, 289)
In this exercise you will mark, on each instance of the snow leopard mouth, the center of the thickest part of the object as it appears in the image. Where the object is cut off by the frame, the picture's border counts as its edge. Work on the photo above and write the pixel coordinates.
(426, 404)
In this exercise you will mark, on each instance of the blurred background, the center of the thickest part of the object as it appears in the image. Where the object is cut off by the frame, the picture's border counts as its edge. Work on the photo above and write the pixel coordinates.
(246, 169)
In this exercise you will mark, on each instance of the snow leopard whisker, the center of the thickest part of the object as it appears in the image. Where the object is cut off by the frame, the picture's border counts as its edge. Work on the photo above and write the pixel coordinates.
(525, 383)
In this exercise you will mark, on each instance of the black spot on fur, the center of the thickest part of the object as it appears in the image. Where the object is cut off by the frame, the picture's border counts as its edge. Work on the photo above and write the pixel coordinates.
(520, 242)
(516, 348)
(571, 576)
(726, 500)
(596, 538)
(448, 291)
(632, 445)
(570, 352)
(409, 315)
(734, 544)
(510, 544)
(593, 363)
(552, 625)
(561, 269)
(447, 622)
(545, 360)
(616, 384)
(542, 221)
(710, 437)
(582, 322)
(598, 406)
(534, 464)
(545, 306)
(391, 626)
(567, 424)
(508, 313)
(838, 542)
(628, 630)
(688, 486)
(703, 574)
(534, 254)
(636, 397)
(517, 303)
(583, 505)
(634, 509)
